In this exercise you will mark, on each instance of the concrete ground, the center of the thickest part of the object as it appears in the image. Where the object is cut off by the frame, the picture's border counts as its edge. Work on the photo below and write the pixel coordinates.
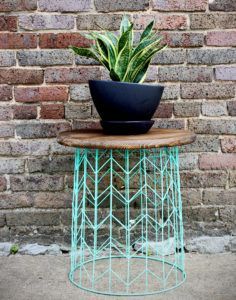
(24, 277)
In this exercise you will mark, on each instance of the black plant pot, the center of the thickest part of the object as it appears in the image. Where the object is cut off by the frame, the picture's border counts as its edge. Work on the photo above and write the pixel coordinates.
(125, 108)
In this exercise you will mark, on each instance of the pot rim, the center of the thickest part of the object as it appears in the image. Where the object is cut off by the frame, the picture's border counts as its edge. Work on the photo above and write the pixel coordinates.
(126, 83)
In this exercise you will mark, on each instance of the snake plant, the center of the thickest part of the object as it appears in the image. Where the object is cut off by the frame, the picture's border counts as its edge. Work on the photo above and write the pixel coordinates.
(124, 60)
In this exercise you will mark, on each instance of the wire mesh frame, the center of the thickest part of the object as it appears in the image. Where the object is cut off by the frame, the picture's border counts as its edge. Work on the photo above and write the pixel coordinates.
(127, 230)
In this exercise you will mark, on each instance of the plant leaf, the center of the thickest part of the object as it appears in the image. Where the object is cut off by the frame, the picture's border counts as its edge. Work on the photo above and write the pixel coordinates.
(124, 38)
(114, 76)
(122, 61)
(124, 25)
(87, 52)
(147, 31)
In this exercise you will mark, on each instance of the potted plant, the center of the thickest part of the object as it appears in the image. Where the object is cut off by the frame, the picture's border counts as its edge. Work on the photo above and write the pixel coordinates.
(125, 104)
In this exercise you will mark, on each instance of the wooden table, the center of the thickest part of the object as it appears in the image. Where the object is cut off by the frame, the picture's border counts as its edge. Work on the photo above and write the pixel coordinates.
(127, 228)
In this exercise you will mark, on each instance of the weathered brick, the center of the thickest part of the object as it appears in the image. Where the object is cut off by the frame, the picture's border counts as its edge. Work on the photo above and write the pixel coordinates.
(211, 56)
(221, 38)
(2, 223)
(52, 111)
(45, 57)
(232, 179)
(219, 197)
(214, 108)
(164, 110)
(18, 5)
(25, 112)
(124, 5)
(42, 182)
(54, 165)
(40, 130)
(227, 215)
(189, 74)
(30, 147)
(231, 105)
(169, 123)
(56, 148)
(228, 144)
(5, 92)
(52, 200)
(42, 22)
(40, 94)
(72, 75)
(6, 131)
(7, 59)
(17, 40)
(8, 23)
(207, 90)
(201, 214)
(191, 197)
(187, 109)
(80, 92)
(5, 148)
(11, 165)
(197, 179)
(170, 92)
(75, 111)
(188, 161)
(82, 60)
(62, 6)
(162, 22)
(5, 113)
(98, 21)
(85, 124)
(212, 21)
(36, 218)
(217, 161)
(170, 56)
(151, 75)
(183, 39)
(180, 5)
(3, 184)
(225, 73)
(21, 76)
(202, 144)
(15, 200)
(222, 5)
(213, 126)
(62, 40)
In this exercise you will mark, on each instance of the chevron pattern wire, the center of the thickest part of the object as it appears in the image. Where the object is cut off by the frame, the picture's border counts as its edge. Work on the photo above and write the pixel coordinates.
(127, 231)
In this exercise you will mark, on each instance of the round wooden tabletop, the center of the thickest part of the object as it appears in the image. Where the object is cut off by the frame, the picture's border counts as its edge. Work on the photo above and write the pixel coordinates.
(96, 139)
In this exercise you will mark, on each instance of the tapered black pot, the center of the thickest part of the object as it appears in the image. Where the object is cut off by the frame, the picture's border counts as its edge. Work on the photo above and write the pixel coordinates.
(125, 108)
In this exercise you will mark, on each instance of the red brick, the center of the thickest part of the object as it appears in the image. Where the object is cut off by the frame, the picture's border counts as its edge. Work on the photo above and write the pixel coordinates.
(39, 94)
(183, 39)
(225, 73)
(8, 23)
(21, 76)
(222, 5)
(3, 184)
(164, 110)
(5, 92)
(221, 38)
(52, 111)
(228, 145)
(18, 5)
(18, 40)
(72, 75)
(62, 40)
(217, 161)
(180, 5)
(65, 6)
(25, 112)
(162, 22)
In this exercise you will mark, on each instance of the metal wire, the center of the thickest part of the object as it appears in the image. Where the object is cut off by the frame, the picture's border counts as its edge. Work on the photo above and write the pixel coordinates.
(127, 231)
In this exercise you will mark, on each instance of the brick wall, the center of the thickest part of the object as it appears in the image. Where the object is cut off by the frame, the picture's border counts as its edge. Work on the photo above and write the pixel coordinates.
(43, 90)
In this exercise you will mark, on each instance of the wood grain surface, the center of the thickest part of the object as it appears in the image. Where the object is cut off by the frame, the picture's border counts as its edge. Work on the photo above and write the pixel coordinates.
(96, 139)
